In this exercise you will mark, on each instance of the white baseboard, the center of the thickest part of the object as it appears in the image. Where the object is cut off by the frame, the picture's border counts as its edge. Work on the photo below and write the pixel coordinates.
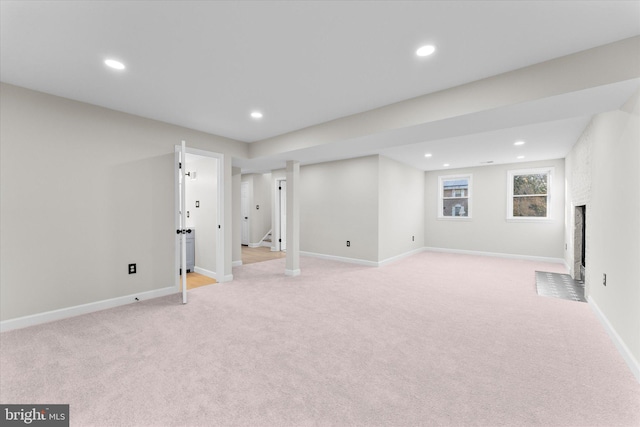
(219, 277)
(292, 273)
(401, 256)
(341, 259)
(208, 273)
(64, 313)
(363, 261)
(617, 340)
(266, 244)
(496, 254)
(255, 245)
(236, 263)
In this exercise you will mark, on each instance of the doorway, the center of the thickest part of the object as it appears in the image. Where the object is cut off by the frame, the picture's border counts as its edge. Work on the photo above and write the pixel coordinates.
(580, 243)
(199, 190)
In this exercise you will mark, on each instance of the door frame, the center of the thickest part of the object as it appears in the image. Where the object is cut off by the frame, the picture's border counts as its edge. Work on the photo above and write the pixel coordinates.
(279, 228)
(245, 191)
(220, 236)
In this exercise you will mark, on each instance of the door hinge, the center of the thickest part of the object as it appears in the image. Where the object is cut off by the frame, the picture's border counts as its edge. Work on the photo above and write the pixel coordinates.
(280, 188)
(279, 240)
(179, 165)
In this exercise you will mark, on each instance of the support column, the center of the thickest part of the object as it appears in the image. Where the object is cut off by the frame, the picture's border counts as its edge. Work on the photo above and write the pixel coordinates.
(293, 219)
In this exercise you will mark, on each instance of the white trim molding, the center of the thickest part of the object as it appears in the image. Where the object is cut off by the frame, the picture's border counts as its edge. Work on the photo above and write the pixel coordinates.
(498, 254)
(617, 340)
(64, 313)
(363, 261)
(511, 174)
(399, 257)
(441, 180)
(236, 263)
(340, 259)
(292, 273)
(226, 278)
(208, 273)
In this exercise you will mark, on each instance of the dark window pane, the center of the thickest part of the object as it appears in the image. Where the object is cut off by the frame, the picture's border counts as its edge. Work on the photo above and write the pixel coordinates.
(530, 184)
(531, 206)
(455, 207)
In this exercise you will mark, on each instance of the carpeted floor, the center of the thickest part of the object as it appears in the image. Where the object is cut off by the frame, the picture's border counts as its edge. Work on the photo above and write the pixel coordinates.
(432, 340)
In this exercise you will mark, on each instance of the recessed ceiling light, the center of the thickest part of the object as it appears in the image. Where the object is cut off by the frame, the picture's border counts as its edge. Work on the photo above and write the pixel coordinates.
(116, 65)
(445, 165)
(256, 115)
(428, 155)
(426, 50)
(519, 143)
(520, 157)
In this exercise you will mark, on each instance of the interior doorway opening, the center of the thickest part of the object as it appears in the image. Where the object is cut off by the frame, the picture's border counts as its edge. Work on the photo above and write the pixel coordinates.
(199, 188)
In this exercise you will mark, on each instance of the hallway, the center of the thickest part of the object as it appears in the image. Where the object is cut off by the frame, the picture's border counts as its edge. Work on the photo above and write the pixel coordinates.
(260, 254)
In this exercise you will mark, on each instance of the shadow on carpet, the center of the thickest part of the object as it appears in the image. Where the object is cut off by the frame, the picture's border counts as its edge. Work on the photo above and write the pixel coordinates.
(559, 286)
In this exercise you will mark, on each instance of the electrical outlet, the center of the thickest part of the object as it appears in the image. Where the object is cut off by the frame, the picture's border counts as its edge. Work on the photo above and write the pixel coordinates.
(604, 279)
(348, 243)
(132, 269)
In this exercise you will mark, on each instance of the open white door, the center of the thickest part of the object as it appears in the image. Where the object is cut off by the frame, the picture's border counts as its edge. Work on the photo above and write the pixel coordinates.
(182, 230)
(244, 211)
(283, 215)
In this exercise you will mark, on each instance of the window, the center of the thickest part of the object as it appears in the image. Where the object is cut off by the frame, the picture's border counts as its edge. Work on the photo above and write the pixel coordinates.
(529, 194)
(454, 199)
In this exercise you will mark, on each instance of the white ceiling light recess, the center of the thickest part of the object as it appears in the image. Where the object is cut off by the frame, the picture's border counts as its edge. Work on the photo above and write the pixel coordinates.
(116, 65)
(426, 50)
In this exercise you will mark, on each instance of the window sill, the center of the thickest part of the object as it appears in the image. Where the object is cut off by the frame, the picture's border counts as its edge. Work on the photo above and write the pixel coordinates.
(529, 219)
(454, 218)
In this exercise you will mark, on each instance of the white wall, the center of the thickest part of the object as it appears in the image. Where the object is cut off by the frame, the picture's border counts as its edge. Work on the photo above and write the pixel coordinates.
(401, 209)
(204, 219)
(339, 202)
(97, 194)
(488, 230)
(603, 173)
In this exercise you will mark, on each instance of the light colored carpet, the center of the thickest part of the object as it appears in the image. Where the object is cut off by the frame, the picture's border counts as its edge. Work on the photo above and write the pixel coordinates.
(432, 340)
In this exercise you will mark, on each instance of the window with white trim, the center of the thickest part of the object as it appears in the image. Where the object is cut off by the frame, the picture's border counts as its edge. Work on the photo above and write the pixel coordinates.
(529, 194)
(454, 199)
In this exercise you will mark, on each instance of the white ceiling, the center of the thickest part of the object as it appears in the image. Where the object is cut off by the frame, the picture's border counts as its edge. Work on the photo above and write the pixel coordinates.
(206, 65)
